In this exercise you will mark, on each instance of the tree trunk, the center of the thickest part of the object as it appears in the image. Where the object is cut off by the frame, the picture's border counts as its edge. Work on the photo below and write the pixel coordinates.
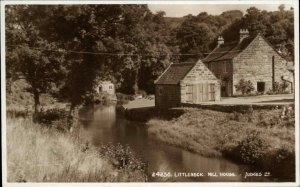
(136, 81)
(70, 114)
(36, 96)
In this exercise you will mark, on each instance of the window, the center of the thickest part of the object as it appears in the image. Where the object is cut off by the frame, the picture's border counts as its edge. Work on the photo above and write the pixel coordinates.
(100, 88)
(225, 67)
(110, 87)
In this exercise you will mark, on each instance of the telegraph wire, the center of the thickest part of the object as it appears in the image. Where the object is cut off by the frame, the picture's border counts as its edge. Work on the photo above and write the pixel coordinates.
(121, 54)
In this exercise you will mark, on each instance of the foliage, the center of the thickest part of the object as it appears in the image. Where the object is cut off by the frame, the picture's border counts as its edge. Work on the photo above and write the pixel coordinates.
(40, 68)
(252, 148)
(67, 49)
(123, 157)
(279, 88)
(244, 86)
(197, 35)
(49, 116)
(276, 26)
(39, 154)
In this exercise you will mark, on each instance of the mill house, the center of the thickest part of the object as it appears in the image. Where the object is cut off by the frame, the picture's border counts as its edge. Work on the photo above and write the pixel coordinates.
(251, 57)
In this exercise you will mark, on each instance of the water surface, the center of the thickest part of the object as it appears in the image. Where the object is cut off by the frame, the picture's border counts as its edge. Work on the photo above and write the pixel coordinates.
(107, 126)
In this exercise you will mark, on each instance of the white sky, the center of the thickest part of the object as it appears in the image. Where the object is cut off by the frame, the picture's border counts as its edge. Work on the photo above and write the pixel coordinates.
(179, 10)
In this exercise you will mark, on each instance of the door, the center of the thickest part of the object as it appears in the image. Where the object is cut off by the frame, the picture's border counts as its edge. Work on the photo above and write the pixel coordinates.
(211, 92)
(189, 93)
(224, 88)
(261, 87)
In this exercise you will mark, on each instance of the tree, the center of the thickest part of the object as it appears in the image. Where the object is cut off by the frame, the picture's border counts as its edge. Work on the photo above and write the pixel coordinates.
(276, 26)
(29, 55)
(144, 37)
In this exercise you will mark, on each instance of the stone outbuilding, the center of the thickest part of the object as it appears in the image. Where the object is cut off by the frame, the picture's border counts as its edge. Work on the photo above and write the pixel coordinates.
(251, 58)
(105, 87)
(186, 83)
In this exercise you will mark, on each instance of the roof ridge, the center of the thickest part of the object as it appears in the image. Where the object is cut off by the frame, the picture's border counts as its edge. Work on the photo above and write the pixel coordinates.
(183, 63)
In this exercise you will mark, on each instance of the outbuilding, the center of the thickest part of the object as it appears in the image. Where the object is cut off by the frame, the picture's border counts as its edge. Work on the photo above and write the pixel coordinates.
(105, 87)
(183, 83)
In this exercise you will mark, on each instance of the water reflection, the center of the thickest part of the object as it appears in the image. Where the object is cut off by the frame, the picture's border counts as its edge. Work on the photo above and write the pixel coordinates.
(106, 126)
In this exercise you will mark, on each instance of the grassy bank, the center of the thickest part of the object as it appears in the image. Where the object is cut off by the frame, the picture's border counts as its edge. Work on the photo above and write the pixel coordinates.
(36, 153)
(261, 137)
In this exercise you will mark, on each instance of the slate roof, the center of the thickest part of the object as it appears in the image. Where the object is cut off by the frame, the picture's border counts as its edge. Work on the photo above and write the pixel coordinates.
(228, 51)
(174, 73)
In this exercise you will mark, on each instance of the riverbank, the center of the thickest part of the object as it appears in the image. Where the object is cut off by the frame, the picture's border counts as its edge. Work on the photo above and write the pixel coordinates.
(36, 153)
(263, 138)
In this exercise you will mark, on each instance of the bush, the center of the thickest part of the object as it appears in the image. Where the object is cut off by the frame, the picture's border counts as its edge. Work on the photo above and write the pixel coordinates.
(279, 88)
(51, 115)
(252, 148)
(246, 87)
(122, 157)
(284, 164)
(123, 98)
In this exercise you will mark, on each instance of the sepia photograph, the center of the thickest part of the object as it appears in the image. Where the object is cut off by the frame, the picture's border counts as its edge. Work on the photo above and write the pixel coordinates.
(122, 92)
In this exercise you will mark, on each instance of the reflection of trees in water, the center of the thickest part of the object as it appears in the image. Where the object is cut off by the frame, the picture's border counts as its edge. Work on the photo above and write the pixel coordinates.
(105, 115)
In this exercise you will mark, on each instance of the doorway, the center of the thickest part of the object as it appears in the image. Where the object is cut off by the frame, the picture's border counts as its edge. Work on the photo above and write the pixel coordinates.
(261, 87)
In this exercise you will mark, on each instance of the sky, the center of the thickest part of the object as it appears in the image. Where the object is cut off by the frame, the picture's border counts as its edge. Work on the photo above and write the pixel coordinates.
(179, 10)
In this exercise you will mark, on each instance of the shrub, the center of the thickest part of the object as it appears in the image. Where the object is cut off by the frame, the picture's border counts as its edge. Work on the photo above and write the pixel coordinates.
(279, 88)
(123, 98)
(123, 157)
(51, 115)
(236, 116)
(244, 86)
(252, 148)
(284, 164)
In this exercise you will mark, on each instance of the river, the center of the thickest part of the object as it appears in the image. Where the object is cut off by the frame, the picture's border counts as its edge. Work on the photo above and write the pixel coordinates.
(105, 125)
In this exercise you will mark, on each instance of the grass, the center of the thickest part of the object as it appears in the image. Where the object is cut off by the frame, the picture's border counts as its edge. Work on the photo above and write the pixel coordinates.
(214, 134)
(39, 154)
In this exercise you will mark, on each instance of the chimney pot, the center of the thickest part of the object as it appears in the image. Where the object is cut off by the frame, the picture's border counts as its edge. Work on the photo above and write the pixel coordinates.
(220, 40)
(244, 33)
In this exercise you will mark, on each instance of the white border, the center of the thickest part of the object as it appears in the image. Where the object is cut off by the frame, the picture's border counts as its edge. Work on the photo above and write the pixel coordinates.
(295, 4)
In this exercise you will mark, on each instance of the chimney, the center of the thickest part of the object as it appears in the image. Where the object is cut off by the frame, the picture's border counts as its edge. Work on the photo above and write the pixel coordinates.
(244, 33)
(220, 41)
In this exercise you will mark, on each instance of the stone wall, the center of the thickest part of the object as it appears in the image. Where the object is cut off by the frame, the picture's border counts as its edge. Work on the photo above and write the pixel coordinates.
(199, 74)
(167, 96)
(255, 64)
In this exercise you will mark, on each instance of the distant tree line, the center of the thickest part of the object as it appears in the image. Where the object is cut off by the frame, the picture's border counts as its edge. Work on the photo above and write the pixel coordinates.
(65, 49)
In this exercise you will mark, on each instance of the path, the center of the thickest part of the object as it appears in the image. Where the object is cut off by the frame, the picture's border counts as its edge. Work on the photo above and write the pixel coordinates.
(280, 99)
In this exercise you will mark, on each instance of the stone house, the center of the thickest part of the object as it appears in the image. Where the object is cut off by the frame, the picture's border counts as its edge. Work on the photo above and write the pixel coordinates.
(250, 58)
(105, 87)
(186, 83)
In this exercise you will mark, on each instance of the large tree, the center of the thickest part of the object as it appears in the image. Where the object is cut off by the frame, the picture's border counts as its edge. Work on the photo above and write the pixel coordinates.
(29, 55)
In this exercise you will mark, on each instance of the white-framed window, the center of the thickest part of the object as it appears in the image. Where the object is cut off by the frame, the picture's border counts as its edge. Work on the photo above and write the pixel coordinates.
(225, 67)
